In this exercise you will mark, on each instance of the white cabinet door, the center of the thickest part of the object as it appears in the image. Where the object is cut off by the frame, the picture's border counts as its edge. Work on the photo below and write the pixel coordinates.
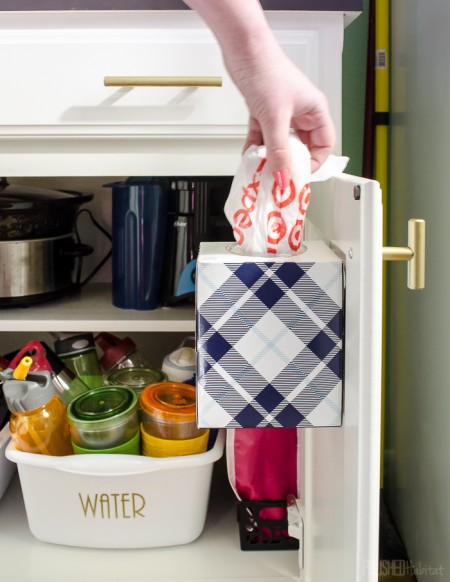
(341, 473)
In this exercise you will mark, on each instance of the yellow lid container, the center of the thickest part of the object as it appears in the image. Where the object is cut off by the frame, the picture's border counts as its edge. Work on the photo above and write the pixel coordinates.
(153, 446)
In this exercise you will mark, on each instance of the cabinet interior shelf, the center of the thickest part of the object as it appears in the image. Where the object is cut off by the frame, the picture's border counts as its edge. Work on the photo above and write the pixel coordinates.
(214, 556)
(92, 309)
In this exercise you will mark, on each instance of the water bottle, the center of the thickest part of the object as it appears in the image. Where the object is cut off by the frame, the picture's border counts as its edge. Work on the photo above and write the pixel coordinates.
(38, 421)
(67, 384)
(119, 353)
(79, 354)
(139, 209)
(180, 365)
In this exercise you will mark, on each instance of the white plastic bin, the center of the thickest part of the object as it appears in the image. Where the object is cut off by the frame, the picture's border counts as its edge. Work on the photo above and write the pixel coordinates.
(116, 501)
(6, 467)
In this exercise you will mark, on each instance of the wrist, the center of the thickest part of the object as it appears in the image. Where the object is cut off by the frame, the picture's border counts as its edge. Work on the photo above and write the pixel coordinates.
(254, 48)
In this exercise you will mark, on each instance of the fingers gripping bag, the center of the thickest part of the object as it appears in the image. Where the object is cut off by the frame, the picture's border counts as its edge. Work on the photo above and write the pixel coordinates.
(267, 220)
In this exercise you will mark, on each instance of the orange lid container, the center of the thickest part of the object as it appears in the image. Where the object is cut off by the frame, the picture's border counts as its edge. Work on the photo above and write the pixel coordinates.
(169, 401)
(169, 410)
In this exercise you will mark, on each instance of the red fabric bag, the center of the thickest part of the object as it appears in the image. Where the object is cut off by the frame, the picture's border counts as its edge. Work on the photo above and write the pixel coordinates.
(263, 465)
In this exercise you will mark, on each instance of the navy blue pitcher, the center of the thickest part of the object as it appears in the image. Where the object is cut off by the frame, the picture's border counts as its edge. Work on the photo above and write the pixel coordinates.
(139, 209)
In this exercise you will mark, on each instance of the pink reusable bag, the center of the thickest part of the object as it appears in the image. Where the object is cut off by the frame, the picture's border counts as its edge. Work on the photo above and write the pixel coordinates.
(263, 465)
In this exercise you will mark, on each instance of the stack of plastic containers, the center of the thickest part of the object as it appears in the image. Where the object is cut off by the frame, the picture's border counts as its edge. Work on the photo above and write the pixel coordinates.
(120, 500)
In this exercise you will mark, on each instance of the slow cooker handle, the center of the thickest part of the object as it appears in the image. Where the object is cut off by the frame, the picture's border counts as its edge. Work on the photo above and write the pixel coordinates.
(78, 250)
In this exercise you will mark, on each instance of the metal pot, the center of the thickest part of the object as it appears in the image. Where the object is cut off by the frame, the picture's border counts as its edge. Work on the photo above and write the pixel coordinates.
(38, 269)
(27, 213)
(40, 251)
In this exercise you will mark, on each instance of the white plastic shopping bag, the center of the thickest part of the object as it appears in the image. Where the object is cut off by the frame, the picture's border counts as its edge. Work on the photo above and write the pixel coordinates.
(264, 218)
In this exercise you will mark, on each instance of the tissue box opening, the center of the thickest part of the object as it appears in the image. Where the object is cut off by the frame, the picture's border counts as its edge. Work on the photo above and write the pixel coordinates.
(269, 338)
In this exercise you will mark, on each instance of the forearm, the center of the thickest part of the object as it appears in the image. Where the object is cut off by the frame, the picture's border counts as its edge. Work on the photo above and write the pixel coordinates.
(278, 95)
(239, 25)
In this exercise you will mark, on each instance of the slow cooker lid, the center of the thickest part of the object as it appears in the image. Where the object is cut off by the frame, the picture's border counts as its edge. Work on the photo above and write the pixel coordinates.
(23, 197)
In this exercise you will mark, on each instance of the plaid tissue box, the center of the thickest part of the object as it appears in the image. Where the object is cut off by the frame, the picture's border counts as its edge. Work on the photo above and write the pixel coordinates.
(269, 338)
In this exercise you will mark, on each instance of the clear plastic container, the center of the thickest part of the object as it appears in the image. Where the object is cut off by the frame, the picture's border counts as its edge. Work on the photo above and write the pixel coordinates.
(135, 378)
(104, 418)
(169, 428)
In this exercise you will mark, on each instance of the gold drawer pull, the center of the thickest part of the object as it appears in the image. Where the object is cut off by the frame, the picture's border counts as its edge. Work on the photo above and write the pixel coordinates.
(414, 253)
(162, 81)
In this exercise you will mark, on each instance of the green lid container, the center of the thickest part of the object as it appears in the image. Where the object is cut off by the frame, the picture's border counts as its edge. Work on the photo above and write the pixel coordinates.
(103, 418)
(136, 378)
(132, 447)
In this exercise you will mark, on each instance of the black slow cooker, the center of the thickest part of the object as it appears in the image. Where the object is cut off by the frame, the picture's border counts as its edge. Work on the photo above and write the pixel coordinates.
(40, 252)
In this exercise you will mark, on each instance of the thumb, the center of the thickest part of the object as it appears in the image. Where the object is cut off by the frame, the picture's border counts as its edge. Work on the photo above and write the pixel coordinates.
(276, 135)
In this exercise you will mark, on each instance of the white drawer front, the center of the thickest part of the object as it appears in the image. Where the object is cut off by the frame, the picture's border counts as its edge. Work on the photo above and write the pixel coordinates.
(58, 79)
(55, 77)
(58, 118)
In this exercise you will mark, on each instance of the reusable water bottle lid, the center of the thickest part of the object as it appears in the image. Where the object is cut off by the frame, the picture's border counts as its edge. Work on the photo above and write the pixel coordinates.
(114, 349)
(102, 403)
(75, 344)
(136, 377)
(170, 401)
(36, 350)
(28, 394)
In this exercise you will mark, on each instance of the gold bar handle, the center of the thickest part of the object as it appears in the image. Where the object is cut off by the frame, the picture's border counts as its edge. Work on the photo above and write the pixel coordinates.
(414, 253)
(162, 81)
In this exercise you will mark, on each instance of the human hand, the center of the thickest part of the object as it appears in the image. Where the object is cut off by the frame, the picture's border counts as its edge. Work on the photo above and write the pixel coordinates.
(281, 98)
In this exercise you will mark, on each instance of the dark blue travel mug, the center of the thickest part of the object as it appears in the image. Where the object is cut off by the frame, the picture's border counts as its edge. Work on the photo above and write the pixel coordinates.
(139, 210)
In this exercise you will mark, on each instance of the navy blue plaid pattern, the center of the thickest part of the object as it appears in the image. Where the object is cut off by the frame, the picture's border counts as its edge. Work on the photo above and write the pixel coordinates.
(269, 344)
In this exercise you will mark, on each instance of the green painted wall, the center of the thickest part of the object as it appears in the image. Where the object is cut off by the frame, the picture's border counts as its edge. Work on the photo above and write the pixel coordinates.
(353, 90)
